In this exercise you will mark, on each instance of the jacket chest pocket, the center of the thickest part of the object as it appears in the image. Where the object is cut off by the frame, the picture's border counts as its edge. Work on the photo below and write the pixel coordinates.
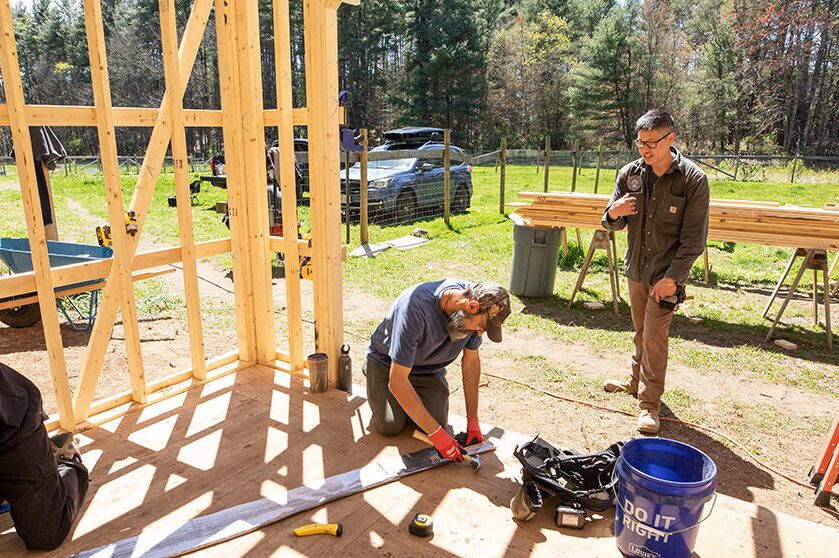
(671, 210)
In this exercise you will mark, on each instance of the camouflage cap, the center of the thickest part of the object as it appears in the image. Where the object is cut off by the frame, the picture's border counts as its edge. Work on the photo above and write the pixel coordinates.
(491, 295)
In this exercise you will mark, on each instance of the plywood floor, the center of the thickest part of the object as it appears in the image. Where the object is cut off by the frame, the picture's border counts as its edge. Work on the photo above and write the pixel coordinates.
(259, 432)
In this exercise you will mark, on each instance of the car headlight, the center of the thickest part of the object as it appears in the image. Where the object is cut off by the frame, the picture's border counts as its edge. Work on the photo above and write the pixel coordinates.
(379, 184)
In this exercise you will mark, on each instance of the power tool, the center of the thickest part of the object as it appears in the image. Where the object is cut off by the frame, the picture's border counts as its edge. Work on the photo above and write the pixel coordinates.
(103, 233)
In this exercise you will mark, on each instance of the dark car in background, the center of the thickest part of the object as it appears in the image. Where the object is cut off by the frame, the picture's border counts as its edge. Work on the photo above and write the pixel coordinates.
(404, 189)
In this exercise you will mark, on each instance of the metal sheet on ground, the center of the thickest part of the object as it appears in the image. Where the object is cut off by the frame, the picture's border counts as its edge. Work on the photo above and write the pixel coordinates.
(212, 529)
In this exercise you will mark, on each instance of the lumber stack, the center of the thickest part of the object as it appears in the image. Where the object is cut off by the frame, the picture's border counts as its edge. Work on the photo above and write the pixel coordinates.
(748, 222)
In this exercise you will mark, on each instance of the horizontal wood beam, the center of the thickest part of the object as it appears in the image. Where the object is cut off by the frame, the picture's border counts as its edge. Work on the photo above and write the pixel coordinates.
(74, 115)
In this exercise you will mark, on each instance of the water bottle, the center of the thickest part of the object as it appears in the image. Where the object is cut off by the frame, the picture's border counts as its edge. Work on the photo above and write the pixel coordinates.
(345, 369)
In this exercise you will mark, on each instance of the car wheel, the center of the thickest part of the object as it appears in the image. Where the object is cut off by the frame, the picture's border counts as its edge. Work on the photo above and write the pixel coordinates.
(406, 206)
(21, 316)
(461, 200)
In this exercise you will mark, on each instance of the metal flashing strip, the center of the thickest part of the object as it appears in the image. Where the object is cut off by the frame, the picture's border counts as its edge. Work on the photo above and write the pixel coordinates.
(205, 531)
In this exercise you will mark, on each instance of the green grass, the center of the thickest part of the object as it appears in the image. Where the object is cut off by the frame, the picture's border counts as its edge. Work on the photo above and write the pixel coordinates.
(478, 245)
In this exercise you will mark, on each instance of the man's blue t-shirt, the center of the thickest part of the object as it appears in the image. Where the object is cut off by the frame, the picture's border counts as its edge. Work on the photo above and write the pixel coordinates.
(414, 332)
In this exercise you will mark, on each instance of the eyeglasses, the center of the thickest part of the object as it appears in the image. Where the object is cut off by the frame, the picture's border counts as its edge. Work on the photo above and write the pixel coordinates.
(651, 144)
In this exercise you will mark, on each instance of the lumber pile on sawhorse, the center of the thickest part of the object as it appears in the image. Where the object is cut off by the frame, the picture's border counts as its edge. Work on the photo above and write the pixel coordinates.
(730, 220)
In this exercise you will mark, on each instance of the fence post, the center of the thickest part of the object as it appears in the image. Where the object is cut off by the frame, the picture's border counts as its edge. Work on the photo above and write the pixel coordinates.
(503, 175)
(618, 165)
(794, 164)
(599, 162)
(446, 176)
(736, 163)
(547, 160)
(362, 184)
(574, 172)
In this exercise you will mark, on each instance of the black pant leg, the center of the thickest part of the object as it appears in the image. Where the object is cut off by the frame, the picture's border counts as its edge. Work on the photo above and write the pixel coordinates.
(44, 496)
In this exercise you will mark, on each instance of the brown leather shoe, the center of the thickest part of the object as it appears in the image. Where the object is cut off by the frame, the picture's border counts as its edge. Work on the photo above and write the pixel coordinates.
(628, 386)
(648, 422)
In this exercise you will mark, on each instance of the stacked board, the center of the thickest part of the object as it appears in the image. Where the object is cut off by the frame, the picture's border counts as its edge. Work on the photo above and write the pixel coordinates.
(749, 222)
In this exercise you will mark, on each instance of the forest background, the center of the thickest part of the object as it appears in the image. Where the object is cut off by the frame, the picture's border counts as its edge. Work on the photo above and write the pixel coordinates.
(751, 76)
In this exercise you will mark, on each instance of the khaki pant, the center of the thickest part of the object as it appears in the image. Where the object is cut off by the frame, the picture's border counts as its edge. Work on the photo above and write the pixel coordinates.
(652, 328)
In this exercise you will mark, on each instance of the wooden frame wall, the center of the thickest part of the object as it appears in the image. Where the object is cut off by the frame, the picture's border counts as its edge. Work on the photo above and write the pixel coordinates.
(243, 119)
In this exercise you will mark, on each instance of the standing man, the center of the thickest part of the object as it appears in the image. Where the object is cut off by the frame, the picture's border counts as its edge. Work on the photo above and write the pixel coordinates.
(43, 480)
(663, 200)
(427, 327)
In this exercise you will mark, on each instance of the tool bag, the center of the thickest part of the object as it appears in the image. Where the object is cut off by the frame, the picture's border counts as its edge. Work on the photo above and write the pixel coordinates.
(547, 471)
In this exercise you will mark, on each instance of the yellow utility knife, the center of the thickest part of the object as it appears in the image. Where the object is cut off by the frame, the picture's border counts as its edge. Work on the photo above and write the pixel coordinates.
(318, 528)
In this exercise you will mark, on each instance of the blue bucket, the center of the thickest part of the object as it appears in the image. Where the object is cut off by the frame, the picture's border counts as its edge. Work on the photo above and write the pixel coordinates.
(662, 490)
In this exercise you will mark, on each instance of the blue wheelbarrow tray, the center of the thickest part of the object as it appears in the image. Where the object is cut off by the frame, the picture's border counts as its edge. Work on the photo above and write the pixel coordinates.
(16, 254)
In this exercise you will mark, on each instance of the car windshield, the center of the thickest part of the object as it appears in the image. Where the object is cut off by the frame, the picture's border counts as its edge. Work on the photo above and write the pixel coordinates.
(397, 165)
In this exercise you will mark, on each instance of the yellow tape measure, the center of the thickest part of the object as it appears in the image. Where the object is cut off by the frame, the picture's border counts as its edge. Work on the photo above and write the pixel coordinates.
(421, 525)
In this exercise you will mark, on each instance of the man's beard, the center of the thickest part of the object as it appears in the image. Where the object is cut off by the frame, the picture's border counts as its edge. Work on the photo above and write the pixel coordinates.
(455, 327)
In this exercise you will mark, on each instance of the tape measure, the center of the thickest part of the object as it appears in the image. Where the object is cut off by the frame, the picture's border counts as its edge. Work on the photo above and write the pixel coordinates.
(421, 525)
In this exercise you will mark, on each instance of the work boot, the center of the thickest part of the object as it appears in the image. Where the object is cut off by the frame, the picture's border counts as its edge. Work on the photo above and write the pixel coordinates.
(630, 386)
(65, 447)
(648, 422)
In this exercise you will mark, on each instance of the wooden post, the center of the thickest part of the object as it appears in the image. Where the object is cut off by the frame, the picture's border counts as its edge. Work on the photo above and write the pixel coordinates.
(240, 248)
(794, 164)
(574, 172)
(599, 162)
(322, 104)
(618, 165)
(503, 175)
(19, 125)
(159, 141)
(447, 178)
(285, 134)
(169, 39)
(255, 209)
(113, 193)
(736, 164)
(547, 160)
(362, 184)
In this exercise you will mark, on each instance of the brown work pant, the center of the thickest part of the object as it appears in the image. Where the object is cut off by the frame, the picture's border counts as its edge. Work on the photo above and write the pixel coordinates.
(652, 328)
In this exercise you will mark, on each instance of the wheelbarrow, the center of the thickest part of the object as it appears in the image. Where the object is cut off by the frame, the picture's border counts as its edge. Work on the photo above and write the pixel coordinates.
(79, 299)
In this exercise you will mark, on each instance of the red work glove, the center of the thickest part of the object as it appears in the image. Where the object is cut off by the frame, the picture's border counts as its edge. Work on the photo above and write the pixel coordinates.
(445, 445)
(473, 431)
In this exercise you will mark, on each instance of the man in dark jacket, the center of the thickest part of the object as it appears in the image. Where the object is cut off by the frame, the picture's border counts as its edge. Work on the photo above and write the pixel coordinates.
(44, 482)
(663, 200)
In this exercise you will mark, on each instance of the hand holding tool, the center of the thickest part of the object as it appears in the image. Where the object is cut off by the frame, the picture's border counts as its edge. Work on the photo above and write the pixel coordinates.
(473, 460)
(446, 445)
(473, 431)
(318, 528)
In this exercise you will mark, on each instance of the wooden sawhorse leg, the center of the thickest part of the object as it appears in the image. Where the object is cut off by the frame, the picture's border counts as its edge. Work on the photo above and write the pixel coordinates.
(817, 261)
(795, 254)
(599, 241)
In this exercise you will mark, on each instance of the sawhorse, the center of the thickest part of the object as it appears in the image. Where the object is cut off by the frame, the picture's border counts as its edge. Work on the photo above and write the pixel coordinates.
(817, 261)
(824, 472)
(603, 240)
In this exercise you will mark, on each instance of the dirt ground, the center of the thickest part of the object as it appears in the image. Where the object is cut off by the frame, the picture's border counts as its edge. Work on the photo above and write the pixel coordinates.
(165, 346)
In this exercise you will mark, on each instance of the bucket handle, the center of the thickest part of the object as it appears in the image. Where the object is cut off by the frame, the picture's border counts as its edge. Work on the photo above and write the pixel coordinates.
(663, 532)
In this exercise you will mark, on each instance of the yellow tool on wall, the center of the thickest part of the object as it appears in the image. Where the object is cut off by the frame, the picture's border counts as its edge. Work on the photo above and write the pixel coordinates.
(103, 233)
(319, 528)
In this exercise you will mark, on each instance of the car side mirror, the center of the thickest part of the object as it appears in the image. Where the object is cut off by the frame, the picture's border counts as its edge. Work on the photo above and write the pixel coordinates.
(426, 167)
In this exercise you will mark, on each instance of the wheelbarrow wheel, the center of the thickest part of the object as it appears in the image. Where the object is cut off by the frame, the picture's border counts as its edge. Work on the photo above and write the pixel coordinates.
(21, 316)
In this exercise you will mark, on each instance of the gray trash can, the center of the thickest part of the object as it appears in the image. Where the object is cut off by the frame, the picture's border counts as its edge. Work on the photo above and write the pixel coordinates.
(535, 253)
